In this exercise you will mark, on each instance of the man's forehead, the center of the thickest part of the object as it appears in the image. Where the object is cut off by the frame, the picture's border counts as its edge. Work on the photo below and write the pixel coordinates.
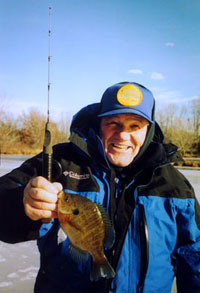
(127, 116)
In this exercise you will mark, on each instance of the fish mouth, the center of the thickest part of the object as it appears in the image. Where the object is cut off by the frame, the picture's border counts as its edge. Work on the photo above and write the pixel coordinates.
(68, 220)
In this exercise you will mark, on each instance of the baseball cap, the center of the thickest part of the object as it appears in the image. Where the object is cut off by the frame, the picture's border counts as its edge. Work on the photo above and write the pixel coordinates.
(128, 98)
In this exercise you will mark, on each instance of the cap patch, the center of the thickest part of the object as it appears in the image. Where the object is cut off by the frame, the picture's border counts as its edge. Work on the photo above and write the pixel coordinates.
(129, 95)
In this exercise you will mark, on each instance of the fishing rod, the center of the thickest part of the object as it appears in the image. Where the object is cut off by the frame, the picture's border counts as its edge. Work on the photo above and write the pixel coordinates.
(47, 147)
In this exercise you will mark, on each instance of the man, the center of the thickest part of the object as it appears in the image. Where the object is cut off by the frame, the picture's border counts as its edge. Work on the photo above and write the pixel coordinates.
(116, 157)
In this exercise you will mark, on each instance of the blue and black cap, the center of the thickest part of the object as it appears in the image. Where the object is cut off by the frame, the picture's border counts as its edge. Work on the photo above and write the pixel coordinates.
(128, 98)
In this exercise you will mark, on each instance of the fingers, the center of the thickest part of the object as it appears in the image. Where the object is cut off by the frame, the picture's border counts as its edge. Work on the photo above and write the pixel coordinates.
(43, 183)
(38, 214)
(58, 186)
(43, 195)
(42, 204)
(40, 199)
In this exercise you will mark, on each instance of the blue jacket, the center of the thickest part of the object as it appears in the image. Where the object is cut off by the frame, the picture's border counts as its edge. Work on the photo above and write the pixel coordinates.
(163, 237)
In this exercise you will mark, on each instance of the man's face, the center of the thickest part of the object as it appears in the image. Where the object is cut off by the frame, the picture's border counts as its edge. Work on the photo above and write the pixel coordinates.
(123, 136)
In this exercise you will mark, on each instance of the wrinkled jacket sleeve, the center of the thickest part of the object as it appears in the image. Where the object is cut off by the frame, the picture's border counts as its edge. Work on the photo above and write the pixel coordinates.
(15, 226)
(187, 255)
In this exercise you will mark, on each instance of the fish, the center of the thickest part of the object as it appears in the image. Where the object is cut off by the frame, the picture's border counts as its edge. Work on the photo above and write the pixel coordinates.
(89, 230)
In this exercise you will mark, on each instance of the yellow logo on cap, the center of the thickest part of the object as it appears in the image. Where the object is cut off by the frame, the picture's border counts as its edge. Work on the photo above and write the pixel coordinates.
(129, 95)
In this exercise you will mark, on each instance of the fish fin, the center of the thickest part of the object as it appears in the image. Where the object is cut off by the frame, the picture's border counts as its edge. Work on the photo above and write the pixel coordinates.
(61, 236)
(109, 238)
(104, 270)
(77, 254)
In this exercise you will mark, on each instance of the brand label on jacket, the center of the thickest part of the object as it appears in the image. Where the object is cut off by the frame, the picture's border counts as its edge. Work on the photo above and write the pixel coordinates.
(78, 178)
(74, 175)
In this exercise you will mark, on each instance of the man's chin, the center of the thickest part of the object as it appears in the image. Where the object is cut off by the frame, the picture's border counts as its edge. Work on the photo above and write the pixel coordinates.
(120, 162)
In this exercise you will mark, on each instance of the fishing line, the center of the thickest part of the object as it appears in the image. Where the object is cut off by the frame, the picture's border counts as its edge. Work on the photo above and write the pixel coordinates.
(47, 147)
(49, 61)
(48, 162)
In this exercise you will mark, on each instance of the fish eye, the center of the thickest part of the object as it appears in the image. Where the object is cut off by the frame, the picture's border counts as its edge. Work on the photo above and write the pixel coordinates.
(66, 198)
(76, 212)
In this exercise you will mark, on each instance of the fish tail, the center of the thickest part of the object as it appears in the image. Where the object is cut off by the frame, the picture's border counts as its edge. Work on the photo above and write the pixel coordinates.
(103, 270)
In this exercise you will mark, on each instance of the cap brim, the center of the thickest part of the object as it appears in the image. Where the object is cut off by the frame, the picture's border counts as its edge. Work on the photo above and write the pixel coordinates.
(125, 111)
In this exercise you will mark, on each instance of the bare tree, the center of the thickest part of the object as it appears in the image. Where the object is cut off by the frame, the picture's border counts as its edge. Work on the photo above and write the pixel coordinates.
(166, 117)
(8, 132)
(176, 126)
(32, 129)
(196, 118)
(32, 126)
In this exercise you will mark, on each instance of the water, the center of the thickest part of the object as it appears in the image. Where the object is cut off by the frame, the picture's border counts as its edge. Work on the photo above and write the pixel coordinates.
(194, 177)
(19, 263)
(9, 162)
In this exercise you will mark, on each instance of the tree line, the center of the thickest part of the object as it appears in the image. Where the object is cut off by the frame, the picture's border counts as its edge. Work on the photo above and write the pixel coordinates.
(181, 126)
(25, 134)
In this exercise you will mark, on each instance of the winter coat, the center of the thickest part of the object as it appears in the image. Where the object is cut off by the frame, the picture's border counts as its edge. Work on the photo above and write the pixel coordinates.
(163, 236)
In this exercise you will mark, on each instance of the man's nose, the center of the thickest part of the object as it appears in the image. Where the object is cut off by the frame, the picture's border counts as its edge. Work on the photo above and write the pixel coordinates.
(124, 134)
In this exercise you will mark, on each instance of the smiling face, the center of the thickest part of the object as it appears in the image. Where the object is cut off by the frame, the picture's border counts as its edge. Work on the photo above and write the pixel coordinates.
(123, 136)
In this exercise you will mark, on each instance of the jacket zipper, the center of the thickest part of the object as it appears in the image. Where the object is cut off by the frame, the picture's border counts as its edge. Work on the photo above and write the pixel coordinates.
(144, 244)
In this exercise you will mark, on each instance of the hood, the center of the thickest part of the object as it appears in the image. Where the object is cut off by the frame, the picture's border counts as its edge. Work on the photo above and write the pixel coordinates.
(84, 132)
(85, 120)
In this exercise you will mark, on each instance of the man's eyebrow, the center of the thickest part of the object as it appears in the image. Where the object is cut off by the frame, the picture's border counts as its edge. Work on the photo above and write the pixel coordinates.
(109, 118)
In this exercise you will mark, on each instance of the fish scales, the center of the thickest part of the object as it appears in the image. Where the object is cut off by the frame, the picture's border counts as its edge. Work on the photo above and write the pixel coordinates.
(82, 221)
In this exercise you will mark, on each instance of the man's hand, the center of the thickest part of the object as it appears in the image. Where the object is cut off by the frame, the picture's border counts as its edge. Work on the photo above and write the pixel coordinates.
(40, 199)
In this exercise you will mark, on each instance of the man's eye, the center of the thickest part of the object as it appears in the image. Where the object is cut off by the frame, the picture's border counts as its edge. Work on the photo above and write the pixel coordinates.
(135, 126)
(113, 123)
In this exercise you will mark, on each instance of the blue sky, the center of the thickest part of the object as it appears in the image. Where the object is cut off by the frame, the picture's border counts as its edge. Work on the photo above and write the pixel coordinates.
(95, 44)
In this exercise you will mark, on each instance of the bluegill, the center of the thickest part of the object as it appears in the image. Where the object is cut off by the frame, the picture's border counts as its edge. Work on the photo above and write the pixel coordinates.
(89, 230)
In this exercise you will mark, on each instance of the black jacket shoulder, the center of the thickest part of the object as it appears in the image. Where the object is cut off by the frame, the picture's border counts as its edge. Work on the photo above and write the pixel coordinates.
(167, 181)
